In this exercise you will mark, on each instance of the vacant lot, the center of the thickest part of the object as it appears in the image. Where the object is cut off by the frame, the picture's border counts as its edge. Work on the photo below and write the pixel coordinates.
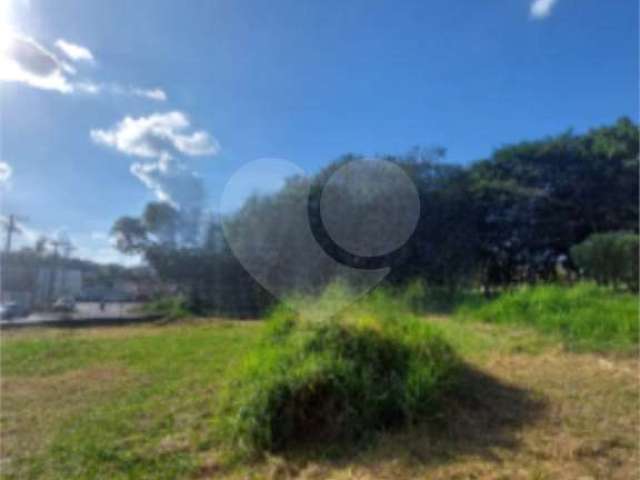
(137, 402)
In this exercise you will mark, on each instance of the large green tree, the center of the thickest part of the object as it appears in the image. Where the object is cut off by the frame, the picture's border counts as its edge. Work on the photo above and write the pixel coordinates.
(506, 219)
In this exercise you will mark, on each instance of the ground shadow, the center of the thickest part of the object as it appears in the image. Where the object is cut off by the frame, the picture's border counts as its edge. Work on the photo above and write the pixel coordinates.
(483, 413)
(479, 416)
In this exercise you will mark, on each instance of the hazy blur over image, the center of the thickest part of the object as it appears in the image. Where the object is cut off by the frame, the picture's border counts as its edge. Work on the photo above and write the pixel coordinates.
(361, 239)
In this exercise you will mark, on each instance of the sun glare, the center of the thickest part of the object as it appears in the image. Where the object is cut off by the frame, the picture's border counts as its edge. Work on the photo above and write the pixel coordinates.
(8, 69)
(6, 30)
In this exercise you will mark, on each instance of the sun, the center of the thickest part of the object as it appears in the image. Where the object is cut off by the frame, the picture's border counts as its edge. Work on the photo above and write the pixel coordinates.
(6, 30)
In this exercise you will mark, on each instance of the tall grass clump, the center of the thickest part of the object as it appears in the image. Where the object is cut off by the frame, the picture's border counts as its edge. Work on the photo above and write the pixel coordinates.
(585, 316)
(429, 299)
(320, 381)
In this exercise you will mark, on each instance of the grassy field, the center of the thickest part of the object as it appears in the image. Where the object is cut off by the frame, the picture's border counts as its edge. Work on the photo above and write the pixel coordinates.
(584, 317)
(138, 402)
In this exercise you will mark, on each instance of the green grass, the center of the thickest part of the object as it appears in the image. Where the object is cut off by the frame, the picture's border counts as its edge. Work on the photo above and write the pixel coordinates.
(138, 401)
(322, 381)
(585, 317)
(141, 401)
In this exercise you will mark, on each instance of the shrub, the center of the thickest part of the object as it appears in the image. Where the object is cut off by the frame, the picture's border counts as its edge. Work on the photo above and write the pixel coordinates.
(171, 308)
(318, 382)
(609, 258)
(585, 316)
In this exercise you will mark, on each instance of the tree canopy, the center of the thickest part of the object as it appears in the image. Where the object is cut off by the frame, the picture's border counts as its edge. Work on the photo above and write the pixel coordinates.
(502, 220)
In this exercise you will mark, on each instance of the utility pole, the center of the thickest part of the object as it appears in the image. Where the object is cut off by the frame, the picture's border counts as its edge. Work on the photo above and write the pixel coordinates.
(10, 228)
(67, 248)
(62, 248)
(55, 243)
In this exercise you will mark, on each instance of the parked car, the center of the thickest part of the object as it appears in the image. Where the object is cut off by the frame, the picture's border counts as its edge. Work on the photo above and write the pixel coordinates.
(64, 304)
(11, 310)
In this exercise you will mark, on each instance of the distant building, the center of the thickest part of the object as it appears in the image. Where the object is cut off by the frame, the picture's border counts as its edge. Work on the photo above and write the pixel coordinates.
(36, 287)
(121, 290)
(52, 284)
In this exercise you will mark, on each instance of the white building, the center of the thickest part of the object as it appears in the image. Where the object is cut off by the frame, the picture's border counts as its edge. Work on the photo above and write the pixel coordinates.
(52, 284)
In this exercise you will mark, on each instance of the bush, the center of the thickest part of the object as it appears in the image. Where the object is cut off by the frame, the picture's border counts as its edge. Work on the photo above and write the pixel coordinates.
(585, 316)
(609, 258)
(318, 382)
(171, 308)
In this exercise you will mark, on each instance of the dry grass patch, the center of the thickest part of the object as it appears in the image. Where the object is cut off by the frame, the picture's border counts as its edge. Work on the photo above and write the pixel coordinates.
(33, 407)
(137, 401)
(553, 416)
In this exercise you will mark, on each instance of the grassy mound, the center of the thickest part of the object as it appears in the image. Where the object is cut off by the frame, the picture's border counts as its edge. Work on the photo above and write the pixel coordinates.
(585, 316)
(318, 383)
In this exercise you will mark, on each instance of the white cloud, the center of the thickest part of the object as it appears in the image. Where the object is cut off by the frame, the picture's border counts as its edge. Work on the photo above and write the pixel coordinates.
(91, 88)
(88, 87)
(158, 135)
(74, 51)
(172, 182)
(152, 94)
(70, 69)
(99, 247)
(5, 172)
(541, 8)
(156, 94)
(24, 60)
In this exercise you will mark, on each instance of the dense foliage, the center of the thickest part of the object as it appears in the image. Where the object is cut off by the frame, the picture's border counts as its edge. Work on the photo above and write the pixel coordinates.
(609, 258)
(508, 219)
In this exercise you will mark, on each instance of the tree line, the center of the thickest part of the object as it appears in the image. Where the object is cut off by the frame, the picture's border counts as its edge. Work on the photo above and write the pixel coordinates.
(505, 220)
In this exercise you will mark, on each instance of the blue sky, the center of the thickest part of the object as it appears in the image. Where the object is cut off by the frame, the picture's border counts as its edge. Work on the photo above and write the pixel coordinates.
(211, 85)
